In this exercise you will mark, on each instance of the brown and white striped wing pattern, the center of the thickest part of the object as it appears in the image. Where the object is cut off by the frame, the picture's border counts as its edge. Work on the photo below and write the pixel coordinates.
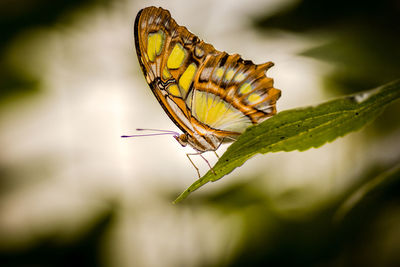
(207, 93)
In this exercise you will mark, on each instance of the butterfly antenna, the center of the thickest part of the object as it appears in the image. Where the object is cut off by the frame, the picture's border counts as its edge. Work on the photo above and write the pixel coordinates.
(159, 132)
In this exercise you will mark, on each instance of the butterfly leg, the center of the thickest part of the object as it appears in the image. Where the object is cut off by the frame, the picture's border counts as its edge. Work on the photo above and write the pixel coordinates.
(208, 163)
(215, 152)
(197, 169)
(194, 165)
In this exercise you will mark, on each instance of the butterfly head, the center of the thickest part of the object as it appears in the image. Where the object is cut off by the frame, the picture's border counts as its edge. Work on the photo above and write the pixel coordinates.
(200, 143)
(182, 139)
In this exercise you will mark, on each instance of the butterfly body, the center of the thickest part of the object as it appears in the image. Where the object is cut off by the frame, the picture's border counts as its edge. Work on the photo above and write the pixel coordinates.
(210, 95)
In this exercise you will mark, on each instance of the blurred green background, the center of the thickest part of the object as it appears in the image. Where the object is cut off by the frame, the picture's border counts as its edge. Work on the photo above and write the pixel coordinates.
(73, 193)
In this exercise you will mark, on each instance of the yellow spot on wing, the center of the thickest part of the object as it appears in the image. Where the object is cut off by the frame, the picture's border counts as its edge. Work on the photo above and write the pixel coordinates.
(240, 77)
(219, 72)
(218, 114)
(187, 77)
(198, 51)
(154, 44)
(166, 74)
(254, 98)
(229, 74)
(245, 88)
(174, 90)
(208, 110)
(176, 57)
(215, 111)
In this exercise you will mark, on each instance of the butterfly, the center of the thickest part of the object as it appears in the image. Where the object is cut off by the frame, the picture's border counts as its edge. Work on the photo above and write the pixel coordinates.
(210, 95)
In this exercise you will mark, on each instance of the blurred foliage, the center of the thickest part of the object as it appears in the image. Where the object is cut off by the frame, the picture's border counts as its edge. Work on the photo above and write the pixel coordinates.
(51, 250)
(302, 129)
(17, 16)
(362, 39)
(272, 236)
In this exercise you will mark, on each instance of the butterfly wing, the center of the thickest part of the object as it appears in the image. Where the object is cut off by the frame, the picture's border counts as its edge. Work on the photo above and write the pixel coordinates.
(232, 94)
(164, 52)
(204, 91)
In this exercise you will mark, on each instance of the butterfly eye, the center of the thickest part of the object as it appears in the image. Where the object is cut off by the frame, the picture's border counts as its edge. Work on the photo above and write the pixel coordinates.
(182, 139)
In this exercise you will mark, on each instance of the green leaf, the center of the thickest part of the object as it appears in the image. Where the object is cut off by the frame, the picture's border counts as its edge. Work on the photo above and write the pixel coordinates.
(301, 129)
